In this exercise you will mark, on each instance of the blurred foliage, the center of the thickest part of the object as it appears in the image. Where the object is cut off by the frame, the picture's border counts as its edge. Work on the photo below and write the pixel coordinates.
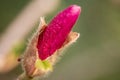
(19, 48)
(9, 10)
(96, 55)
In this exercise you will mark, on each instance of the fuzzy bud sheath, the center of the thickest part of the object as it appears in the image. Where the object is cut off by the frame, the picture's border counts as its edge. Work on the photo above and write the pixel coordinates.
(48, 42)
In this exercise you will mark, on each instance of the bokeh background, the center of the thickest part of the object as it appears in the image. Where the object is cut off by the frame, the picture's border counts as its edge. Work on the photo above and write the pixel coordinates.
(95, 55)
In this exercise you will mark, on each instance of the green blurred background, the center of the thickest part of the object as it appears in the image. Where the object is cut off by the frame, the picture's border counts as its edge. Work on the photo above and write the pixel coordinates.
(95, 55)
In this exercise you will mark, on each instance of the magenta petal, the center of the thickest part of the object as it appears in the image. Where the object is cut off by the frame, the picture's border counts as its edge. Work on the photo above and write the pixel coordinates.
(53, 37)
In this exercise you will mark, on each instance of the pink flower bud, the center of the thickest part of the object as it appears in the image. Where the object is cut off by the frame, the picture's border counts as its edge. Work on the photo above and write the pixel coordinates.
(56, 32)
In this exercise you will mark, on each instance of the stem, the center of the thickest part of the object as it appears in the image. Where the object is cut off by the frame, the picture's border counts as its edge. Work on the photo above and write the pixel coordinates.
(24, 77)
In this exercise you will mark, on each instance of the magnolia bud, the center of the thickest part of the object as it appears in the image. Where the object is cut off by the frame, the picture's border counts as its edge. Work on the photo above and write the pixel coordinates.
(49, 41)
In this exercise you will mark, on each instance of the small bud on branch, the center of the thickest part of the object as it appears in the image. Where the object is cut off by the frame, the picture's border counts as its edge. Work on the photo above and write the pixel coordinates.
(49, 41)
